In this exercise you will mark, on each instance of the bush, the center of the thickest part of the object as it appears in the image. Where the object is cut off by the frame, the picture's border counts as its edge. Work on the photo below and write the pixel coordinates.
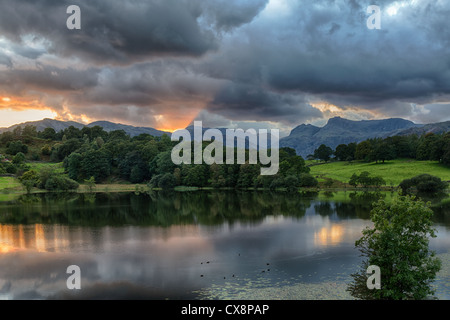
(18, 158)
(425, 183)
(154, 181)
(53, 181)
(307, 180)
(167, 181)
(163, 181)
(60, 183)
(46, 150)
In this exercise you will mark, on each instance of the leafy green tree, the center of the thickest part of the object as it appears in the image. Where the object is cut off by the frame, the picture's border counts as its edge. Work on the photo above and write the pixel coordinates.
(48, 133)
(29, 131)
(398, 244)
(341, 152)
(167, 181)
(248, 173)
(323, 153)
(90, 183)
(19, 158)
(15, 147)
(307, 180)
(383, 151)
(291, 183)
(195, 175)
(46, 150)
(73, 165)
(363, 151)
(29, 180)
(69, 146)
(366, 180)
(95, 163)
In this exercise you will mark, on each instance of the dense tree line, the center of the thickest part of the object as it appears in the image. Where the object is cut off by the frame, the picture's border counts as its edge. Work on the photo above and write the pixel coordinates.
(115, 156)
(430, 146)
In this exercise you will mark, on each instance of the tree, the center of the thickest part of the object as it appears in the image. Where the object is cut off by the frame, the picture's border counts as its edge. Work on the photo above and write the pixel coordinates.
(48, 133)
(46, 150)
(323, 153)
(341, 152)
(29, 180)
(383, 151)
(366, 180)
(167, 181)
(90, 183)
(15, 147)
(307, 180)
(95, 163)
(398, 244)
(19, 158)
(363, 150)
(72, 165)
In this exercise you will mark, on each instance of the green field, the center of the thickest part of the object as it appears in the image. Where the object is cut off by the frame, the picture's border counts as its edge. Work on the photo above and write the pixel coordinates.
(393, 172)
(9, 183)
(58, 167)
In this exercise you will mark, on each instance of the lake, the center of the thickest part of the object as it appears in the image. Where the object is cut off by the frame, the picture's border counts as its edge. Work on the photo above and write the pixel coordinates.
(190, 245)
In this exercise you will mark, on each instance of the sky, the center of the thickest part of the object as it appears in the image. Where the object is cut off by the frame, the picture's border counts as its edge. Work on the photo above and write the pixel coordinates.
(230, 63)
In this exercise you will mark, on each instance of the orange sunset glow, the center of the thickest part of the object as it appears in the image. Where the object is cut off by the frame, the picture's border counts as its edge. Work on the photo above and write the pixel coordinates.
(14, 110)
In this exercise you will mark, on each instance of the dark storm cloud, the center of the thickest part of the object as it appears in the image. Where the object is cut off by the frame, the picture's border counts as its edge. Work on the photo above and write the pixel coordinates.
(47, 78)
(149, 83)
(123, 31)
(245, 102)
(241, 59)
(111, 30)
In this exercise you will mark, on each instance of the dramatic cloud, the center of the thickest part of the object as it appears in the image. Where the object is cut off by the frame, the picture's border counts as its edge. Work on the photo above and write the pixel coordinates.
(278, 62)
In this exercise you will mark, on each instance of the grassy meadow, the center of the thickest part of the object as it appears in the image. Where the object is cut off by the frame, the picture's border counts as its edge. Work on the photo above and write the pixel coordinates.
(393, 171)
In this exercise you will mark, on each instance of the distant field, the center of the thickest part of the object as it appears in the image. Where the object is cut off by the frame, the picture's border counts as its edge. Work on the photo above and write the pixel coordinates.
(9, 183)
(393, 172)
(39, 165)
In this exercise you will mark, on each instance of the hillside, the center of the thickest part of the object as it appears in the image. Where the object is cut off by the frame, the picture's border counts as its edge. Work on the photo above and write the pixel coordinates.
(306, 138)
(393, 172)
(106, 125)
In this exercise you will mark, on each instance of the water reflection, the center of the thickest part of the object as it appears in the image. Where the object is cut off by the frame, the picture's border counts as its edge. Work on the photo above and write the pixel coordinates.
(156, 246)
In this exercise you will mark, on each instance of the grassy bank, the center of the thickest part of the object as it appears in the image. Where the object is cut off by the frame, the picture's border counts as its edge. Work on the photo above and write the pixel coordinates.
(393, 172)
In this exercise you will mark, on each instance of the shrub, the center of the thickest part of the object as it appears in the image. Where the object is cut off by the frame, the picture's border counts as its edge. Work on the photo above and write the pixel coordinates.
(167, 181)
(307, 180)
(423, 183)
(18, 158)
(60, 183)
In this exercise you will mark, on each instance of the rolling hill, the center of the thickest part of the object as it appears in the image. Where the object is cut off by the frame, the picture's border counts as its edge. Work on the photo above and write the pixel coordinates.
(106, 125)
(306, 138)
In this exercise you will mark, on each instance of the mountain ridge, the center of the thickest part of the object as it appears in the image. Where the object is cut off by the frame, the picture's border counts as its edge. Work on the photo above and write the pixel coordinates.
(106, 125)
(304, 138)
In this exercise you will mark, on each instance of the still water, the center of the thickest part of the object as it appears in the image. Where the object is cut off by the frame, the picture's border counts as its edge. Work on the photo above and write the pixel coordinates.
(190, 245)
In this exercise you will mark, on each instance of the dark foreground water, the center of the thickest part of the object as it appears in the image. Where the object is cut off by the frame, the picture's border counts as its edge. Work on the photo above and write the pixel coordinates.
(189, 245)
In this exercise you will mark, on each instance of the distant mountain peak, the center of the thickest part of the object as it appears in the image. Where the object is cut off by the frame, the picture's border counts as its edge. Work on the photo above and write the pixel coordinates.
(59, 125)
(306, 138)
